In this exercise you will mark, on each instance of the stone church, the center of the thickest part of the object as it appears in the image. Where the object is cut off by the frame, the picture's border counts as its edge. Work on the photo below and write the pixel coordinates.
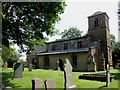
(88, 53)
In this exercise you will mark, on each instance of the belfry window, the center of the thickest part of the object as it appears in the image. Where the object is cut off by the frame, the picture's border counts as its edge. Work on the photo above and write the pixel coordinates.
(96, 22)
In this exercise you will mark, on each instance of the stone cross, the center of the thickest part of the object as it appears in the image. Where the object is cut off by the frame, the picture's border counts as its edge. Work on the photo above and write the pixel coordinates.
(68, 75)
(30, 67)
(108, 76)
(37, 84)
(18, 69)
(50, 84)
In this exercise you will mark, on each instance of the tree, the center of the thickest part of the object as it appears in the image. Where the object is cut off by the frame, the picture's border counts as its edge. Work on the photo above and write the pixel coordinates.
(26, 22)
(113, 41)
(72, 32)
(9, 55)
(115, 49)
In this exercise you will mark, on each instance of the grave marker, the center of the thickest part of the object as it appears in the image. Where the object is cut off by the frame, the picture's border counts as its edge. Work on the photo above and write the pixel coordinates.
(50, 84)
(37, 84)
(108, 76)
(30, 67)
(61, 65)
(18, 69)
(91, 63)
(68, 75)
(57, 65)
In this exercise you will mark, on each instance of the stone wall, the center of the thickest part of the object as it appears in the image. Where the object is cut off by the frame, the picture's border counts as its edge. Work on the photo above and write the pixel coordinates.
(81, 60)
(72, 44)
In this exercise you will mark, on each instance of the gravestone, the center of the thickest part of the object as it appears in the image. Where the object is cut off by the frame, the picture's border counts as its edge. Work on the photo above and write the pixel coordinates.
(33, 62)
(61, 65)
(37, 84)
(50, 84)
(57, 65)
(91, 63)
(30, 67)
(68, 76)
(18, 69)
(108, 76)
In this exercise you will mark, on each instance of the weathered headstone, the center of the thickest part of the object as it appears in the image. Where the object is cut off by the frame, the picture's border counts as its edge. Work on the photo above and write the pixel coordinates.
(37, 84)
(68, 76)
(91, 63)
(18, 69)
(57, 65)
(108, 76)
(50, 84)
(61, 65)
(33, 62)
(30, 67)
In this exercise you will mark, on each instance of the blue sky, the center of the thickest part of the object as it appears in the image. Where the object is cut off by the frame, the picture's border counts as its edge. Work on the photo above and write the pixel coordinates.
(77, 11)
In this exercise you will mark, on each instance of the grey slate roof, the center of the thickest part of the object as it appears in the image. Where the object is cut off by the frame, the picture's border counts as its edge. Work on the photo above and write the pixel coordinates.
(61, 40)
(97, 13)
(64, 52)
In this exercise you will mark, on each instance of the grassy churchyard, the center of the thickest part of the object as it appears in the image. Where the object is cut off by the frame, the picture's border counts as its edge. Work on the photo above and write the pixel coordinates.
(25, 82)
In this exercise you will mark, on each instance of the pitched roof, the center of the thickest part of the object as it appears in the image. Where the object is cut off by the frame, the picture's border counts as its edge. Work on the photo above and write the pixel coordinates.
(98, 13)
(60, 40)
(64, 52)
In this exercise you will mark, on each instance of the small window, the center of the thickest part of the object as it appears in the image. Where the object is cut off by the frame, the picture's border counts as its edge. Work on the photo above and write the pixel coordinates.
(79, 44)
(65, 46)
(96, 22)
(53, 47)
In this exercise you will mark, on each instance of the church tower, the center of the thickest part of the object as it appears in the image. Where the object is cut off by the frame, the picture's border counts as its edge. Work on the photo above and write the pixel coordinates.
(98, 31)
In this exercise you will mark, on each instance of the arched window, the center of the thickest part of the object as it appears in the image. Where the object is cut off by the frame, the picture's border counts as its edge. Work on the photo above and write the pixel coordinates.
(96, 22)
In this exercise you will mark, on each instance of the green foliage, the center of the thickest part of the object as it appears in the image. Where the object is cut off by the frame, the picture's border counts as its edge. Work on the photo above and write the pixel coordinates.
(72, 32)
(5, 65)
(113, 41)
(26, 22)
(116, 51)
(9, 54)
(115, 47)
(1, 61)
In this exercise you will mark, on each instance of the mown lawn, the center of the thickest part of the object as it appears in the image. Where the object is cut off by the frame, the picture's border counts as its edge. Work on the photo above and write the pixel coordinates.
(25, 82)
